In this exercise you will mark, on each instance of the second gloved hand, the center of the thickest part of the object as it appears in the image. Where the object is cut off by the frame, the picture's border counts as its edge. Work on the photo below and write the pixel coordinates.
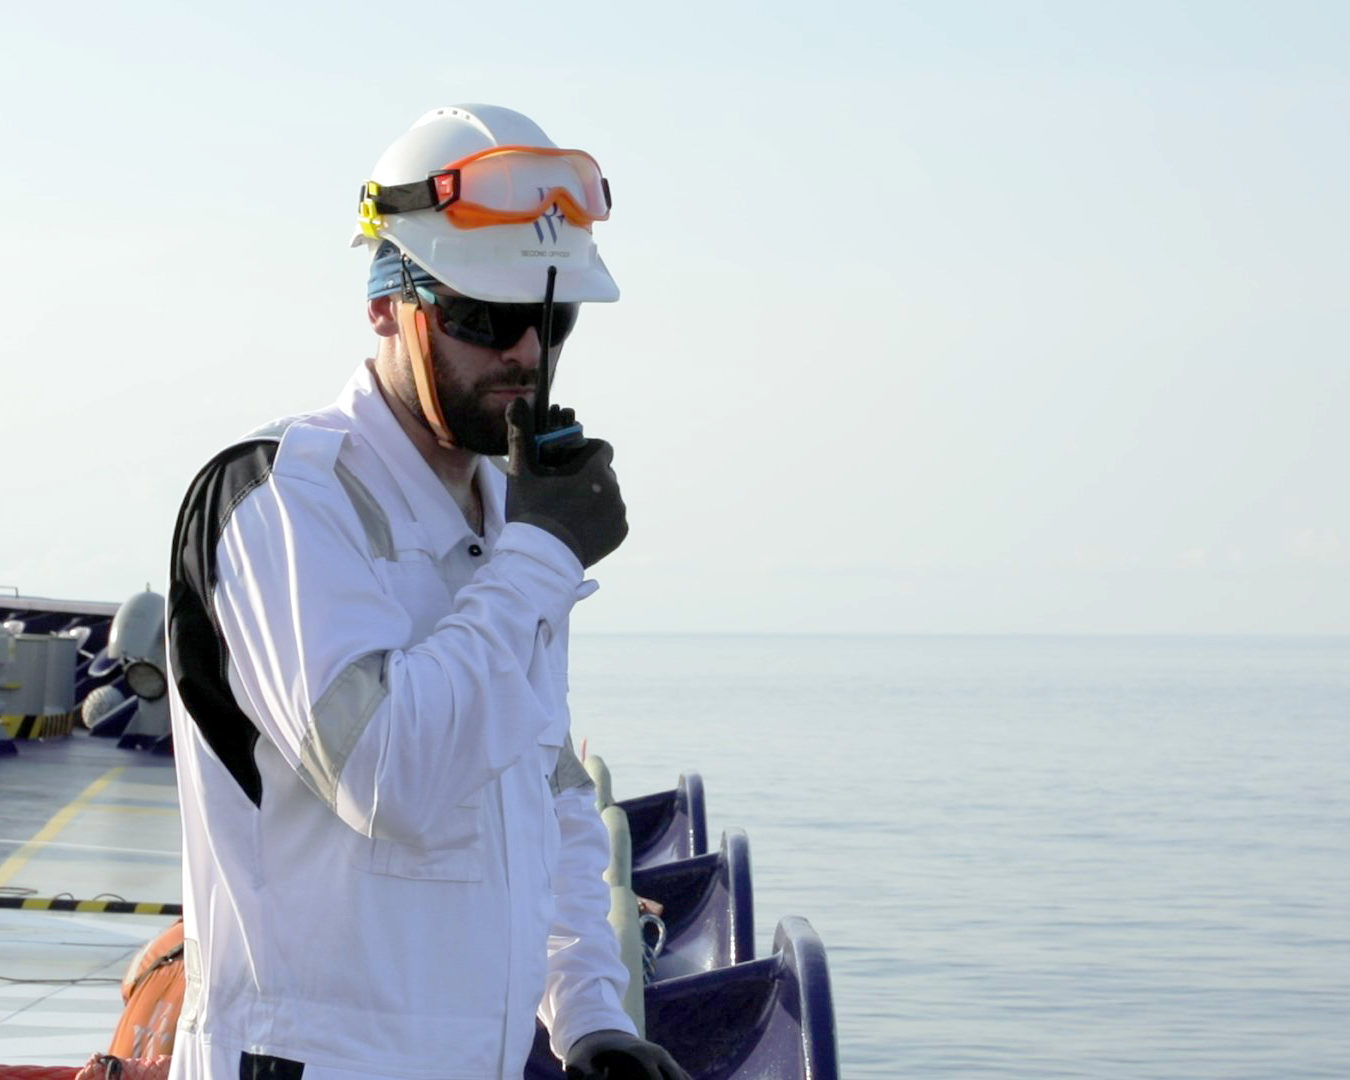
(577, 499)
(616, 1055)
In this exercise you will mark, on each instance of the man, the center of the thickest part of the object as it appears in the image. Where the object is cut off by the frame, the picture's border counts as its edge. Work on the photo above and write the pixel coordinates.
(391, 853)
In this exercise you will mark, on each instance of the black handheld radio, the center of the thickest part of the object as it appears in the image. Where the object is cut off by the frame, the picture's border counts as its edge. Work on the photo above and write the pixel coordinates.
(550, 445)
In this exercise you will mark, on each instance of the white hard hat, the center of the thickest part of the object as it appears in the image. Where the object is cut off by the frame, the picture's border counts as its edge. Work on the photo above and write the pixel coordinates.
(497, 262)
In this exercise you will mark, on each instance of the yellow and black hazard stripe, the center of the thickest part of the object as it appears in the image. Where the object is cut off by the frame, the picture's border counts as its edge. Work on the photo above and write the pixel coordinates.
(49, 726)
(102, 907)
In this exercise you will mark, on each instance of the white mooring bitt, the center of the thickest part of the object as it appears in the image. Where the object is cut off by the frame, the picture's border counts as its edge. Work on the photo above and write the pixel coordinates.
(623, 902)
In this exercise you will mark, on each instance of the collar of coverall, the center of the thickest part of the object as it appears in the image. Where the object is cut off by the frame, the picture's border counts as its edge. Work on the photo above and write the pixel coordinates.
(440, 526)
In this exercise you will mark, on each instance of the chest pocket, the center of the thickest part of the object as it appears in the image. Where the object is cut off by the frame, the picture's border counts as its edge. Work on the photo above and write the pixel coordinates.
(401, 549)
(456, 856)
(415, 578)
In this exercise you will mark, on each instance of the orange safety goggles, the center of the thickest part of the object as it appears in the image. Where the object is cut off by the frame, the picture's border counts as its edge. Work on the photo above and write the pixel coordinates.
(502, 185)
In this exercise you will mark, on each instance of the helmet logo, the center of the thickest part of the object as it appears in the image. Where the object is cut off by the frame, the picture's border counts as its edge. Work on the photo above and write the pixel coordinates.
(549, 217)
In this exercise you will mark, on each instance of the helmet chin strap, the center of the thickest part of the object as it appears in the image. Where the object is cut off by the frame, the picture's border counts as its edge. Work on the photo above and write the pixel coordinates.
(412, 326)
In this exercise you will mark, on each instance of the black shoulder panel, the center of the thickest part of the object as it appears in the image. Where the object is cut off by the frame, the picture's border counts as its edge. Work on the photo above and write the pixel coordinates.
(196, 647)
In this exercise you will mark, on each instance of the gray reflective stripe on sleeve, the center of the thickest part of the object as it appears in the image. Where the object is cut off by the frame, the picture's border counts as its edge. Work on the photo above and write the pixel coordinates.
(373, 518)
(339, 718)
(569, 772)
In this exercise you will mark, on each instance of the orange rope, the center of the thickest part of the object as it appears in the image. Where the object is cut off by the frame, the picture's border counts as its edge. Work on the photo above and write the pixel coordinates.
(98, 1067)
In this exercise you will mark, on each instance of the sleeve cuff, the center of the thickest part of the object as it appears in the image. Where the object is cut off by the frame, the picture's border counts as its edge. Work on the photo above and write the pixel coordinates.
(583, 1024)
(547, 570)
(542, 545)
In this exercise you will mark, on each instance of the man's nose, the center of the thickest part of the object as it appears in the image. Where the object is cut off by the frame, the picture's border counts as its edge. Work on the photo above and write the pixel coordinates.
(526, 351)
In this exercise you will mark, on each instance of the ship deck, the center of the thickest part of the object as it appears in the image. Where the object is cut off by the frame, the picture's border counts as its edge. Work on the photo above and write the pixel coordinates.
(78, 818)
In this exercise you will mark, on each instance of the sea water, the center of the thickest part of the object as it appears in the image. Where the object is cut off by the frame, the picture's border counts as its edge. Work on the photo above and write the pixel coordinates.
(1026, 856)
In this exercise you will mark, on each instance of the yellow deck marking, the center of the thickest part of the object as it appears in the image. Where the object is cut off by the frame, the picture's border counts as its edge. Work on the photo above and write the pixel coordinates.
(59, 821)
(113, 808)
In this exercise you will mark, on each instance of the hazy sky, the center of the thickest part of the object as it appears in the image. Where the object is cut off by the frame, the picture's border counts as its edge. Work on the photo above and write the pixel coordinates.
(936, 317)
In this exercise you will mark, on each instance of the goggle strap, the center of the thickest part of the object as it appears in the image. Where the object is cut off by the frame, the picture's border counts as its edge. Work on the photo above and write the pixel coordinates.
(405, 198)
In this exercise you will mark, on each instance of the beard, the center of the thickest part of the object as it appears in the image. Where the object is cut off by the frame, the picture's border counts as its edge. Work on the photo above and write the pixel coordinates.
(474, 427)
(477, 424)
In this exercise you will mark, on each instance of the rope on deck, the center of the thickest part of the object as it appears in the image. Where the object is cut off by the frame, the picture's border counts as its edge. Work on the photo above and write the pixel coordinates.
(98, 1067)
(38, 1072)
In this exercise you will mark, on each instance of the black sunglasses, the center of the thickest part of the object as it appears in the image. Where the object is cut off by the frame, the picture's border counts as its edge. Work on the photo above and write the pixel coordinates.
(496, 326)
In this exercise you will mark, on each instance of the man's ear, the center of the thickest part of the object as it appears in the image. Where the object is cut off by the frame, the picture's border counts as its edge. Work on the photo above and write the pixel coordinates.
(383, 319)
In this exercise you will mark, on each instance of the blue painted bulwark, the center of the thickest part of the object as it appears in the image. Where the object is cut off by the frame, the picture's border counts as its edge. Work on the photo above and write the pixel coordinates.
(763, 1020)
(709, 908)
(668, 825)
(770, 1019)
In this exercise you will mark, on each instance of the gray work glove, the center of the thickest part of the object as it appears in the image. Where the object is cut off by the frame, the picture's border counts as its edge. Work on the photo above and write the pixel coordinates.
(576, 497)
(616, 1055)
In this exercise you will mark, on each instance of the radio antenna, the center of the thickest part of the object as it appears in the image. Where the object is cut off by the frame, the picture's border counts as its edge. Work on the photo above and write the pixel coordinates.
(545, 344)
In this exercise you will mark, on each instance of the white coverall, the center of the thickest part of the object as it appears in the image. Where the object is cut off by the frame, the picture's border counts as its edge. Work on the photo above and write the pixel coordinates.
(387, 879)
